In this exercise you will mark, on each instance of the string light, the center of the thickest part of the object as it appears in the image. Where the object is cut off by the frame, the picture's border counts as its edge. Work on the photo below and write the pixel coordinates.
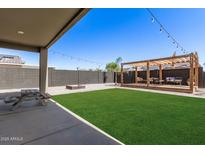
(160, 30)
(76, 58)
(163, 29)
(152, 20)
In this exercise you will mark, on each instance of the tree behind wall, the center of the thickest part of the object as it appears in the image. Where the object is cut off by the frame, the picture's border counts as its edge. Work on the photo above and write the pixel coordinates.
(111, 67)
(114, 67)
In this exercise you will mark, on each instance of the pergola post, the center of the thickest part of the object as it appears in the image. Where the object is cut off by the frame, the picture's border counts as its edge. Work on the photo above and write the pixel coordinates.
(121, 74)
(43, 70)
(191, 73)
(136, 75)
(160, 72)
(148, 74)
(196, 70)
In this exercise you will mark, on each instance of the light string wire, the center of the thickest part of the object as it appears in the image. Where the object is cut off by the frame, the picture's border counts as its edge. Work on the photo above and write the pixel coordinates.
(163, 29)
(154, 19)
(77, 58)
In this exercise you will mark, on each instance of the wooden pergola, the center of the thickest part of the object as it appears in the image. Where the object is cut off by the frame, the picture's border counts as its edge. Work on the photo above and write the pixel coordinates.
(190, 59)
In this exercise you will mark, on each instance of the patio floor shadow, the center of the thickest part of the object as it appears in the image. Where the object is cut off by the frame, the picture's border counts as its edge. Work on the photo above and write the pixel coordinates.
(34, 124)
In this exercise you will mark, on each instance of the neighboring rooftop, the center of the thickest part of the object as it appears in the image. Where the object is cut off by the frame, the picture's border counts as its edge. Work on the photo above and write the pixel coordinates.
(11, 59)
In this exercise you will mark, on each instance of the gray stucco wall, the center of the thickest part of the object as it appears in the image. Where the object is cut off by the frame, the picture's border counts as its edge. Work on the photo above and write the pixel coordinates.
(109, 77)
(11, 78)
(18, 78)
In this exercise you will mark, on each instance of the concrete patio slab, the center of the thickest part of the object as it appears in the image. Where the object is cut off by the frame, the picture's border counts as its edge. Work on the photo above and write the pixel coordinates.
(62, 89)
(88, 87)
(34, 124)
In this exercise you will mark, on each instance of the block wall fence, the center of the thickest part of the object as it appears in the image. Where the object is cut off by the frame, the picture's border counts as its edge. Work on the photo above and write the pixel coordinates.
(14, 78)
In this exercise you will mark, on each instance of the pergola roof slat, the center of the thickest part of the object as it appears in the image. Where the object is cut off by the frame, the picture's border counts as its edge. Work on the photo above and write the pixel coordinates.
(161, 61)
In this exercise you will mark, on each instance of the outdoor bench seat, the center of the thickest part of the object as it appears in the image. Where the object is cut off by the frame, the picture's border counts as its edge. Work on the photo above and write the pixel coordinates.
(26, 95)
(139, 79)
(43, 98)
(174, 80)
(11, 99)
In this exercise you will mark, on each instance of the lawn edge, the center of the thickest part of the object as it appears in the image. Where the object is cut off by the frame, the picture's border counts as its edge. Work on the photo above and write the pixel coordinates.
(162, 92)
(87, 122)
(76, 92)
(140, 90)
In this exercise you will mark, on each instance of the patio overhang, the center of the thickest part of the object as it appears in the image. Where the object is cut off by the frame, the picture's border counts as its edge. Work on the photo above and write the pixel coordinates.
(36, 30)
(32, 29)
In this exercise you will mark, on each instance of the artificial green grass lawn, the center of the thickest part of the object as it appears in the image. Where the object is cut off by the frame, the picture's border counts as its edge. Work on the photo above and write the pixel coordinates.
(136, 117)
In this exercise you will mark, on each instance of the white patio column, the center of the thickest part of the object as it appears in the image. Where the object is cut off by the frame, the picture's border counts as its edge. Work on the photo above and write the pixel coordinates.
(43, 70)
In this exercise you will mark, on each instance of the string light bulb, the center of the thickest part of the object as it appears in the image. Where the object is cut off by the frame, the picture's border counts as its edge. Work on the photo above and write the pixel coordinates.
(160, 29)
(163, 29)
(152, 20)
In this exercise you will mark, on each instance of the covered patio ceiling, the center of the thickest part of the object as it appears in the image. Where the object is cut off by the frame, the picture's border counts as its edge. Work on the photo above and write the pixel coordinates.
(31, 29)
(36, 30)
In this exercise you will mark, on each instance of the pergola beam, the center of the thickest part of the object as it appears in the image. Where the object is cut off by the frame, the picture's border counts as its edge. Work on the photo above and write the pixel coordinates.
(158, 59)
(158, 62)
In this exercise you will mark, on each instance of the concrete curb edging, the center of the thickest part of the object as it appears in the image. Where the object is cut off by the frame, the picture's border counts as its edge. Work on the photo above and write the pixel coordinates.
(86, 122)
(163, 92)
